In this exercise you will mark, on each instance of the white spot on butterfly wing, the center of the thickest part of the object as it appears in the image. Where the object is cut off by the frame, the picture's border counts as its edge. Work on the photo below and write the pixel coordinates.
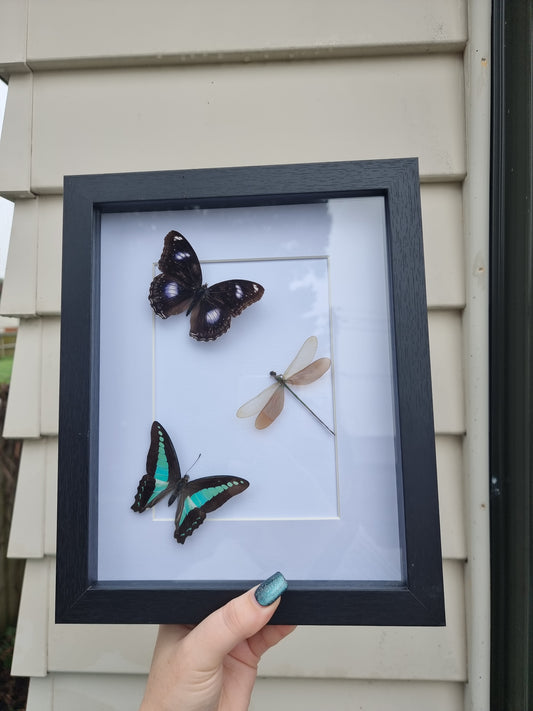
(239, 293)
(180, 256)
(171, 289)
(212, 316)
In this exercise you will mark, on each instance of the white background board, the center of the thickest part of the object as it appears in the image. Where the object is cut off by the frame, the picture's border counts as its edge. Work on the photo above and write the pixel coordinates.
(318, 506)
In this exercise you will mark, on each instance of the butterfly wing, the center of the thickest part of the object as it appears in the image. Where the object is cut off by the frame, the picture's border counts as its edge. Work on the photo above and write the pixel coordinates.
(162, 470)
(200, 497)
(235, 294)
(179, 259)
(211, 316)
(172, 291)
(309, 374)
(168, 297)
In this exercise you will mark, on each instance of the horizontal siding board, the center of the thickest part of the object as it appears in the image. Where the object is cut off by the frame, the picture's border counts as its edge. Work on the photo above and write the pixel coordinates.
(104, 649)
(19, 289)
(360, 652)
(355, 695)
(101, 648)
(95, 692)
(16, 139)
(102, 692)
(23, 414)
(26, 536)
(96, 121)
(61, 32)
(41, 694)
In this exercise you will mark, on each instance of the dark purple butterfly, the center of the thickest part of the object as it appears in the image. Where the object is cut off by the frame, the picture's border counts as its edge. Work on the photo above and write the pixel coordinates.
(179, 288)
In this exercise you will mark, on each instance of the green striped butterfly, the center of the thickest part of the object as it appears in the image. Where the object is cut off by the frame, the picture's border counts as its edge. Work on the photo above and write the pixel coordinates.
(195, 498)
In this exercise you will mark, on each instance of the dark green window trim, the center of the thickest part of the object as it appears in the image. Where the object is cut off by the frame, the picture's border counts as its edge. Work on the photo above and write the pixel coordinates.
(511, 358)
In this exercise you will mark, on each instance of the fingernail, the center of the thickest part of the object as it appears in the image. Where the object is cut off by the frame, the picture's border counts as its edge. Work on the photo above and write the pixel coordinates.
(270, 589)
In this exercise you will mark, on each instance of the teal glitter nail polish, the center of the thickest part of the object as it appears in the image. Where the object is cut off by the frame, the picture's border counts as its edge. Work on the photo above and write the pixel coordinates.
(270, 589)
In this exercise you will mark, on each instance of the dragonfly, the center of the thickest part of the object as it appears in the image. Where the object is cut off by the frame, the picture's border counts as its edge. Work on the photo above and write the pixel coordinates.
(302, 371)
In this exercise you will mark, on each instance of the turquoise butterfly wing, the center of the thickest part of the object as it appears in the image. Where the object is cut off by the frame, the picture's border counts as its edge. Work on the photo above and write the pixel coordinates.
(162, 470)
(201, 496)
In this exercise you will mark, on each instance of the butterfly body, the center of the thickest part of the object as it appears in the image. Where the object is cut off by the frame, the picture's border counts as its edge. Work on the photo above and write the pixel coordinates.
(195, 498)
(179, 289)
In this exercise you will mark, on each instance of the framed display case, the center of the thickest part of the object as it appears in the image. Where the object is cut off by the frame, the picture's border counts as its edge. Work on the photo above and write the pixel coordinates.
(186, 294)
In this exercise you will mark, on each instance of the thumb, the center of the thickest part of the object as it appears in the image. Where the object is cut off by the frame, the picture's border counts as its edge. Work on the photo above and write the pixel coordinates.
(236, 621)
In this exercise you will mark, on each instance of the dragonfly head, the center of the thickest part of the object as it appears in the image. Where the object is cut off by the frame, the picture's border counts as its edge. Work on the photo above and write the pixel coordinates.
(277, 377)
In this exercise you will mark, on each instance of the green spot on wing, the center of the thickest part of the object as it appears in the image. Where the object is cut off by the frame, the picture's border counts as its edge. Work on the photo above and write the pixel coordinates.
(161, 470)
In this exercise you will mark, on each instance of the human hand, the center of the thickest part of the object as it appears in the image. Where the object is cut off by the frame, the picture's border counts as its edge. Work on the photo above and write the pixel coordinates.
(212, 666)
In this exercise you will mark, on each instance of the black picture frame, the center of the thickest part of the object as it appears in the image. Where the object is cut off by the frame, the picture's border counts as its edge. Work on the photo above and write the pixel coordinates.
(81, 597)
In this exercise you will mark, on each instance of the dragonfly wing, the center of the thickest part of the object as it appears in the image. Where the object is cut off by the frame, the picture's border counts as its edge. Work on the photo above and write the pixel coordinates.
(303, 358)
(312, 372)
(257, 403)
(272, 408)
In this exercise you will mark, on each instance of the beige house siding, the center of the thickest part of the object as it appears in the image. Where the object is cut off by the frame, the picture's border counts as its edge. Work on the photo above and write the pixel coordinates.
(168, 85)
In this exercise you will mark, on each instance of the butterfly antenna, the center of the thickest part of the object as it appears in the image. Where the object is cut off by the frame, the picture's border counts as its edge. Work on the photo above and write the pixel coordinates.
(192, 465)
(281, 380)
